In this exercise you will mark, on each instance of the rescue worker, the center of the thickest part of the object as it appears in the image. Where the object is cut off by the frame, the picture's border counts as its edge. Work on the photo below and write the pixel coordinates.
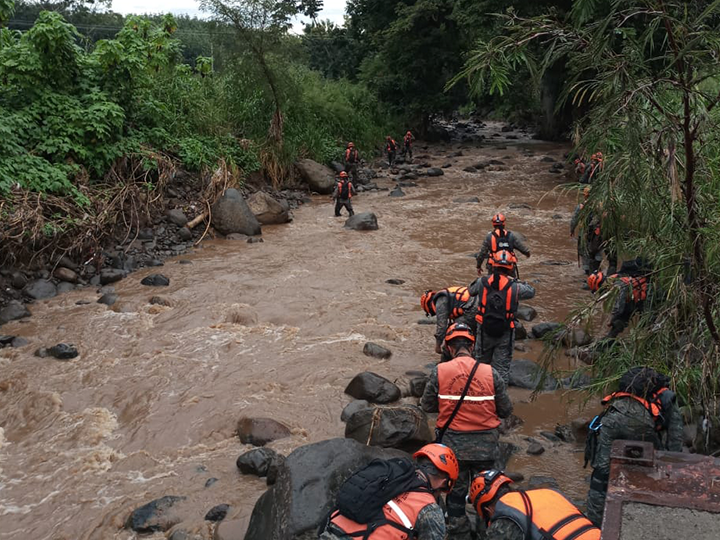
(344, 190)
(518, 514)
(589, 243)
(498, 299)
(631, 297)
(643, 409)
(469, 424)
(437, 468)
(351, 159)
(408, 141)
(497, 240)
(454, 304)
(580, 167)
(593, 170)
(391, 148)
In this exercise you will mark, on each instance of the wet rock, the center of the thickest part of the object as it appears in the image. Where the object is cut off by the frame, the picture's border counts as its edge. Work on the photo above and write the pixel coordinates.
(111, 275)
(519, 206)
(537, 482)
(447, 165)
(526, 313)
(579, 379)
(376, 351)
(157, 515)
(19, 342)
(321, 179)
(540, 330)
(463, 200)
(6, 340)
(210, 482)
(160, 301)
(395, 281)
(519, 347)
(185, 234)
(373, 388)
(18, 280)
(155, 280)
(306, 488)
(565, 433)
(535, 449)
(366, 221)
(217, 513)
(108, 299)
(61, 351)
(353, 407)
(267, 210)
(435, 171)
(527, 374)
(417, 385)
(65, 274)
(257, 461)
(550, 436)
(390, 427)
(337, 166)
(65, 287)
(231, 214)
(548, 159)
(397, 192)
(260, 431)
(40, 289)
(13, 311)
(576, 338)
(470, 169)
(185, 535)
(407, 184)
(557, 216)
(67, 262)
(520, 331)
(145, 234)
(556, 263)
(177, 217)
(255, 241)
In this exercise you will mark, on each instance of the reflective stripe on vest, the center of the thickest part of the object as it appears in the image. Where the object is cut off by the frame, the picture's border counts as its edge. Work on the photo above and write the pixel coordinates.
(402, 510)
(552, 516)
(511, 302)
(477, 411)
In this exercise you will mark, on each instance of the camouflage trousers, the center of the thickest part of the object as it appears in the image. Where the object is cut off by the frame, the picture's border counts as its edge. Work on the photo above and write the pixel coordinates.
(497, 352)
(458, 527)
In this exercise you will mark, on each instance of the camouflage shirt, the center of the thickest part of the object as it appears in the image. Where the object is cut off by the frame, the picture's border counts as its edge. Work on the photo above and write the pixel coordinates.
(442, 310)
(504, 529)
(470, 445)
(430, 525)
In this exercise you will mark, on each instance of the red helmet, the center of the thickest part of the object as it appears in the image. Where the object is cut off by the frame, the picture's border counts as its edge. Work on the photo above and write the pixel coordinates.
(595, 280)
(484, 487)
(459, 330)
(343, 174)
(504, 259)
(586, 191)
(408, 133)
(443, 458)
(351, 145)
(599, 156)
(427, 301)
(498, 220)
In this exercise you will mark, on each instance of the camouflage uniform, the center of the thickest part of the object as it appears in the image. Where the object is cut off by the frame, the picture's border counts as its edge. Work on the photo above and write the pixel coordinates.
(628, 419)
(476, 451)
(498, 351)
(340, 203)
(514, 241)
(351, 163)
(589, 253)
(430, 525)
(442, 312)
(624, 308)
(504, 529)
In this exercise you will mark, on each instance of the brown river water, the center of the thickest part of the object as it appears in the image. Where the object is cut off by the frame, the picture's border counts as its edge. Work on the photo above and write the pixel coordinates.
(273, 329)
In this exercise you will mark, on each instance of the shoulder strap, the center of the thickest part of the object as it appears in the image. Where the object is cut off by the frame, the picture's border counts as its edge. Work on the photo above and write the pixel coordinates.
(453, 414)
(528, 515)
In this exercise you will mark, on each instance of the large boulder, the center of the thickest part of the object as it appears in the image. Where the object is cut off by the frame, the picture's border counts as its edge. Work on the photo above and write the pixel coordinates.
(527, 374)
(320, 178)
(373, 388)
(231, 214)
(353, 407)
(40, 289)
(390, 427)
(541, 330)
(267, 210)
(260, 431)
(306, 487)
(366, 221)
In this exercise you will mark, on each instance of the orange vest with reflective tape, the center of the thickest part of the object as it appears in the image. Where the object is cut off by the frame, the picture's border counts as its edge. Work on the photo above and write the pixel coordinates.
(511, 301)
(402, 510)
(639, 287)
(552, 516)
(477, 412)
(458, 296)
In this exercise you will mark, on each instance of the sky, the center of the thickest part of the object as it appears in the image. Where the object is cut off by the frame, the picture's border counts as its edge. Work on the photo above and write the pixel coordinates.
(333, 9)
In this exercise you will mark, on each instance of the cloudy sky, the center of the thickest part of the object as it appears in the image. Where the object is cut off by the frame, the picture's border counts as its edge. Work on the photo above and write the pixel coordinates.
(334, 9)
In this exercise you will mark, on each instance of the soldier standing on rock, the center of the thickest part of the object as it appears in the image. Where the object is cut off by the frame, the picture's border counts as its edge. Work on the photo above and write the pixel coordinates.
(344, 190)
(470, 399)
(391, 148)
(351, 159)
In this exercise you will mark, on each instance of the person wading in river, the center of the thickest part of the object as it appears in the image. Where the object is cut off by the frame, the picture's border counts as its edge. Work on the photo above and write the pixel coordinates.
(497, 240)
(391, 148)
(408, 142)
(344, 190)
(351, 159)
(498, 299)
(643, 409)
(470, 399)
(394, 500)
(454, 304)
(518, 514)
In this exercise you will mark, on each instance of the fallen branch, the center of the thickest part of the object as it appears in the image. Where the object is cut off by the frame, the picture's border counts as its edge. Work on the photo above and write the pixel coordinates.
(196, 221)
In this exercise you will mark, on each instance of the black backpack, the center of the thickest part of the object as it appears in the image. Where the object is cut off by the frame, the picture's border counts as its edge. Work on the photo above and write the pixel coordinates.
(362, 497)
(502, 240)
(344, 189)
(495, 316)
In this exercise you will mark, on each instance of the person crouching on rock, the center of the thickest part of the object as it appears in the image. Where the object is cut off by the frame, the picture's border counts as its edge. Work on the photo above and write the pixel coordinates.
(453, 304)
(344, 190)
(395, 499)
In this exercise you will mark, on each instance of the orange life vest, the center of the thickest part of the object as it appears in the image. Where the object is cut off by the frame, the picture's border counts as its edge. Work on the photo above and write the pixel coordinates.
(511, 300)
(638, 286)
(552, 516)
(345, 188)
(402, 510)
(477, 412)
(654, 407)
(351, 155)
(408, 140)
(458, 296)
(499, 242)
(391, 145)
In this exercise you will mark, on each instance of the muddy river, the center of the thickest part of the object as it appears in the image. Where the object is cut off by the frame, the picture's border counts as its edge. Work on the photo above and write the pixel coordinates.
(272, 329)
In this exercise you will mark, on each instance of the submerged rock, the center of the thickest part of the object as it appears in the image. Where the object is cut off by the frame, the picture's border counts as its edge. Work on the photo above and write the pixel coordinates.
(155, 280)
(376, 351)
(527, 374)
(260, 431)
(366, 221)
(40, 289)
(157, 515)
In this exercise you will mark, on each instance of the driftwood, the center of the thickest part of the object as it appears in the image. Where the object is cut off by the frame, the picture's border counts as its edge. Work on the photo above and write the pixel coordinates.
(196, 221)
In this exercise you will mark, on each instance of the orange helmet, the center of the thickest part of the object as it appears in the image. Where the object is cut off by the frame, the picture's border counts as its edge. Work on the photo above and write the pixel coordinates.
(408, 133)
(498, 220)
(504, 259)
(343, 174)
(457, 330)
(586, 191)
(599, 156)
(594, 157)
(595, 280)
(484, 487)
(443, 458)
(427, 301)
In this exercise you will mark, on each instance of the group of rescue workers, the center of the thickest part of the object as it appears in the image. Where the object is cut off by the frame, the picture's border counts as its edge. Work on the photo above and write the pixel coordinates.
(428, 499)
